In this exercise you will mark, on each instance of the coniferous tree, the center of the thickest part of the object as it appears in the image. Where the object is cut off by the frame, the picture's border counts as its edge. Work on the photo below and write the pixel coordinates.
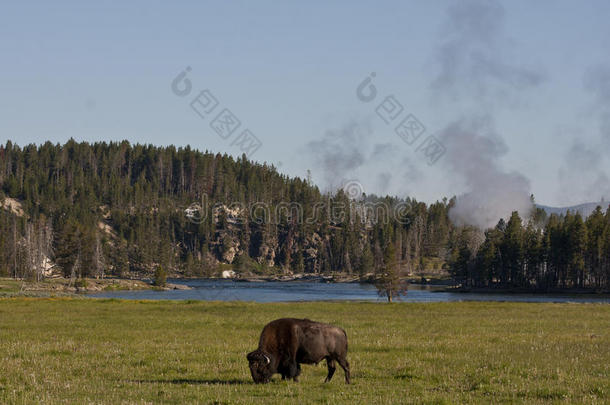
(160, 278)
(388, 283)
(512, 251)
(68, 248)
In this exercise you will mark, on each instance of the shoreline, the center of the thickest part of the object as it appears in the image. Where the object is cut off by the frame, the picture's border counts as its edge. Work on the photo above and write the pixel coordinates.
(64, 287)
(305, 277)
(522, 290)
(59, 286)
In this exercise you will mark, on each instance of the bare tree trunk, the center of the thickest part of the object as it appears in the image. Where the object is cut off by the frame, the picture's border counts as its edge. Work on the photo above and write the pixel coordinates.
(14, 249)
(98, 258)
(75, 270)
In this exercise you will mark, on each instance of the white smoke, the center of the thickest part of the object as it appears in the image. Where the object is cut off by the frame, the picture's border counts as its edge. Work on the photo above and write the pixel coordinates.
(473, 60)
(339, 153)
(474, 71)
(584, 169)
(597, 82)
(350, 152)
(582, 177)
(493, 193)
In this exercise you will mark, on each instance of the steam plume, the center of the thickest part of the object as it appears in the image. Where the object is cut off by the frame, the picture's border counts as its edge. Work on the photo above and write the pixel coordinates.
(583, 171)
(349, 152)
(493, 193)
(474, 71)
(340, 152)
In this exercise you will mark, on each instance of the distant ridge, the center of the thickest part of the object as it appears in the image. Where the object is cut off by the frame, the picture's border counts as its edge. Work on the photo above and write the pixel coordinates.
(584, 209)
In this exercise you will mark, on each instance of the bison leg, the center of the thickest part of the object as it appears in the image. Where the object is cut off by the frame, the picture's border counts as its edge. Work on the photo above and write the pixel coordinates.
(291, 370)
(295, 371)
(331, 369)
(345, 366)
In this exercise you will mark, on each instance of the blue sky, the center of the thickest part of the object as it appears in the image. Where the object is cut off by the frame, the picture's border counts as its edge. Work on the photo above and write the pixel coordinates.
(289, 72)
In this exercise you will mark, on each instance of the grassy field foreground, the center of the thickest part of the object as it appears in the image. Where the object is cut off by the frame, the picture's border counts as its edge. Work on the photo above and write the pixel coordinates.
(111, 351)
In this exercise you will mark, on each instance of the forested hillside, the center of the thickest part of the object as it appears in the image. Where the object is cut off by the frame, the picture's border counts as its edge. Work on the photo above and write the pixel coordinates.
(117, 209)
(114, 208)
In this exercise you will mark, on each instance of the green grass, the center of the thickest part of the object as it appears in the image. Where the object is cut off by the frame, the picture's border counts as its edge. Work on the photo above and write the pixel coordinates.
(112, 351)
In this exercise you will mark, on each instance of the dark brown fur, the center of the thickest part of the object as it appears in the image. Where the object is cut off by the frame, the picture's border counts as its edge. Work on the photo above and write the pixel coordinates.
(287, 343)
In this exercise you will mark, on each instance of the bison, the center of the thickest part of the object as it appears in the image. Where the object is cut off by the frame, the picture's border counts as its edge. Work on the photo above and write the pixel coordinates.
(287, 343)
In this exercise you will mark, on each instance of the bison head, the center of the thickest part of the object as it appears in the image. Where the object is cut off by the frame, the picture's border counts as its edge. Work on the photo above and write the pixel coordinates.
(260, 366)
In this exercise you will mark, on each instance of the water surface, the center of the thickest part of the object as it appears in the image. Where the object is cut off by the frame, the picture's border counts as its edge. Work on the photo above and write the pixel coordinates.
(275, 291)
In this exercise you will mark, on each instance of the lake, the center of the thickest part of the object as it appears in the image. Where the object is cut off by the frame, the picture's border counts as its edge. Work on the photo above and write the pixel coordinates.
(228, 290)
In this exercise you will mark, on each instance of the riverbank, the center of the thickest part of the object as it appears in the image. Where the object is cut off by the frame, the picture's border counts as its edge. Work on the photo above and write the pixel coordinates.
(114, 351)
(301, 277)
(337, 278)
(521, 290)
(64, 287)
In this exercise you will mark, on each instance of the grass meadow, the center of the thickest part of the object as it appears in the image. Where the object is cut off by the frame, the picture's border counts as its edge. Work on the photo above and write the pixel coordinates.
(66, 350)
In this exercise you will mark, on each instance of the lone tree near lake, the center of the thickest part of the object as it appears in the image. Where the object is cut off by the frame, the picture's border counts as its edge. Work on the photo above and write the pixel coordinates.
(388, 283)
(160, 276)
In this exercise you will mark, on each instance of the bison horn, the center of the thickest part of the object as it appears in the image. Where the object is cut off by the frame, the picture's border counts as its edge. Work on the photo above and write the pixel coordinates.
(267, 359)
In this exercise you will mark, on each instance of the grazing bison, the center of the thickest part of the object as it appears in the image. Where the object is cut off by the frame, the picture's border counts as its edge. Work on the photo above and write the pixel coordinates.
(287, 343)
